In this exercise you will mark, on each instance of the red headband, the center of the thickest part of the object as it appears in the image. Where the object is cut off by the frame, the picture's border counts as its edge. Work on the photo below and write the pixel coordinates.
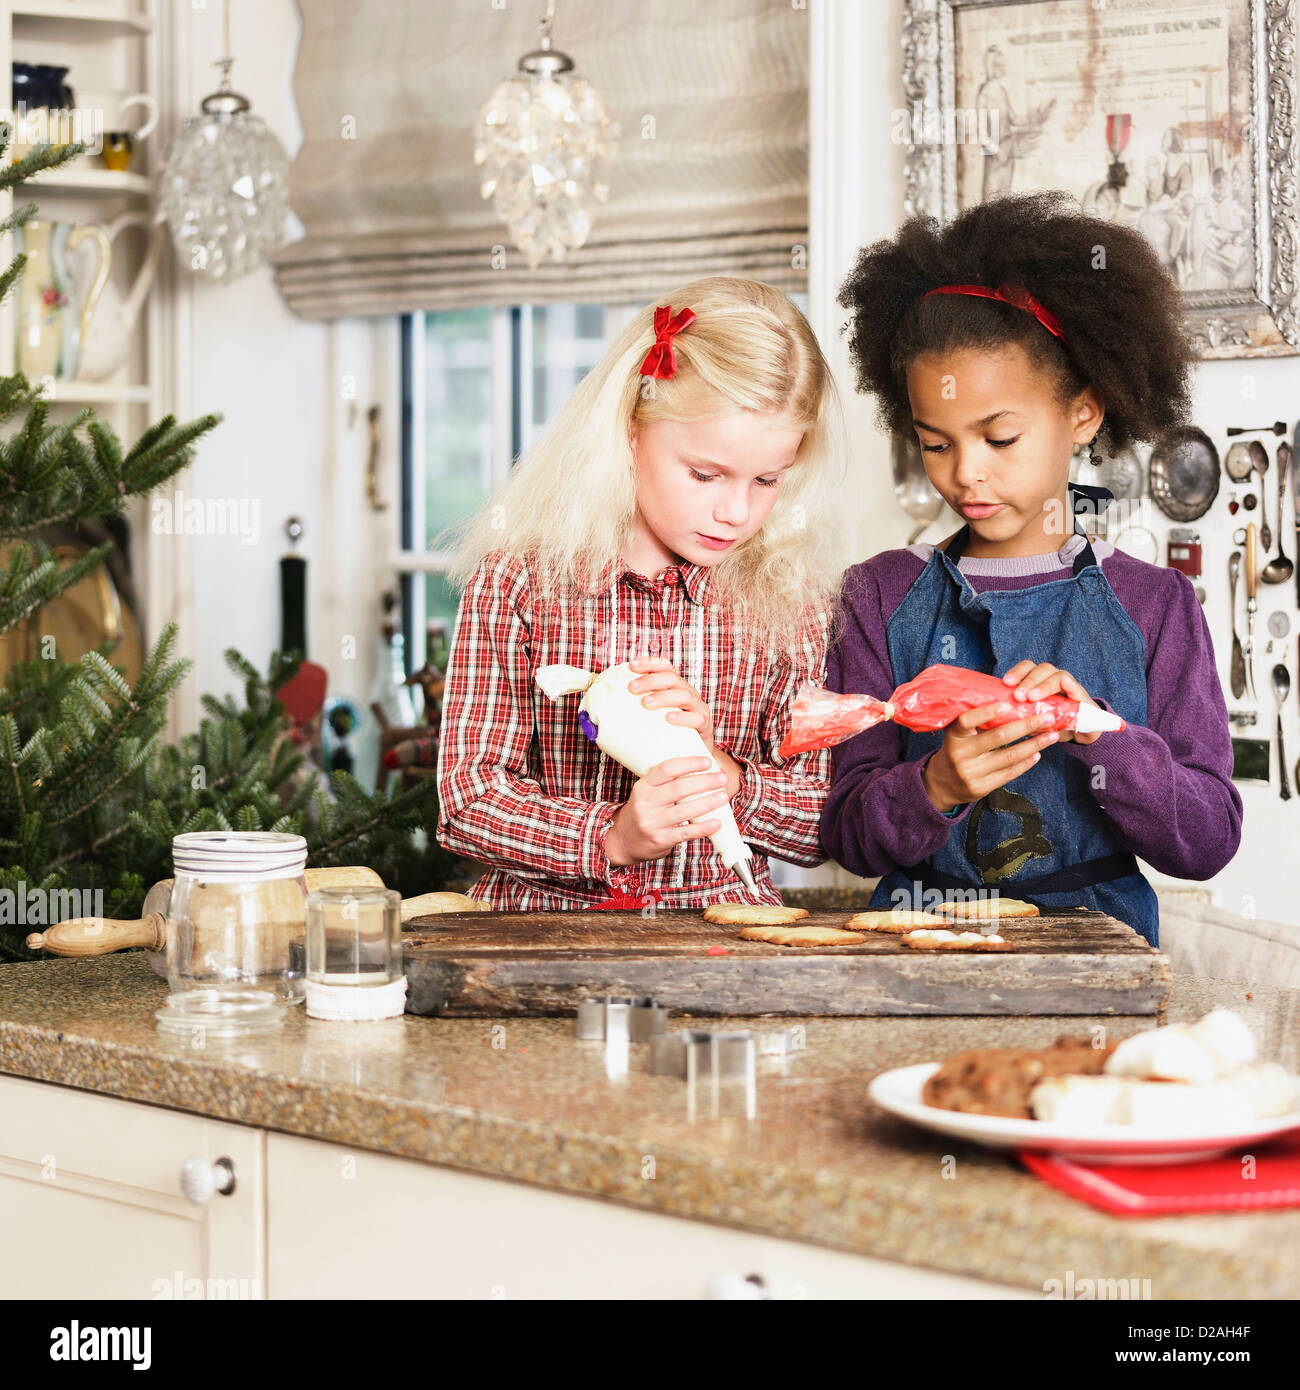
(1010, 294)
(661, 360)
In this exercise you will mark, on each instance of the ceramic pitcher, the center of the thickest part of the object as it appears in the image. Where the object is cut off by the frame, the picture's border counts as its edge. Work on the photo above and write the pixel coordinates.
(53, 317)
(106, 341)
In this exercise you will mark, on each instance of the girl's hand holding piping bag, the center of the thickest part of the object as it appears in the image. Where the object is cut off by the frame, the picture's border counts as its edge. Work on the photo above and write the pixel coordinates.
(663, 688)
(1037, 680)
(974, 760)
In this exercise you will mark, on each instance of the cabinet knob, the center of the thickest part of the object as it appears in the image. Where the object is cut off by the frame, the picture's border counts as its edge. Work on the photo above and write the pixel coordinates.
(200, 1178)
(741, 1287)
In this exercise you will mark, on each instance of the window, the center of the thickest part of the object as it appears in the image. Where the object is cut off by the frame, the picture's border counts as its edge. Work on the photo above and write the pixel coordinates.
(478, 388)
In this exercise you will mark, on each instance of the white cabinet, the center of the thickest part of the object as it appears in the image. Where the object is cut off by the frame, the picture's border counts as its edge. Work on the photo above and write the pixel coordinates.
(91, 1206)
(91, 1203)
(345, 1223)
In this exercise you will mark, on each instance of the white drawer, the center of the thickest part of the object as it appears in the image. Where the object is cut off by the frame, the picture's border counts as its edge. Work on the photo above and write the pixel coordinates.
(345, 1223)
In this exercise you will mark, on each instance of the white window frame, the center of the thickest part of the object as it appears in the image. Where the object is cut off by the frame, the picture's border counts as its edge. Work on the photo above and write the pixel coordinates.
(419, 561)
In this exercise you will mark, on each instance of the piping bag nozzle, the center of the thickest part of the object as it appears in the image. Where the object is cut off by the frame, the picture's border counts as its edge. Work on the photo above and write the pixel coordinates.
(741, 869)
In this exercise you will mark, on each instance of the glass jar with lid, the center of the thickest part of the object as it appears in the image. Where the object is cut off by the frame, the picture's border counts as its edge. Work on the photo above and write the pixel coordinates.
(236, 918)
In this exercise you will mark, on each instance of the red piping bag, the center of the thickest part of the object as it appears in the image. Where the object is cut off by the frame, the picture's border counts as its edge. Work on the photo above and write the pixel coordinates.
(933, 700)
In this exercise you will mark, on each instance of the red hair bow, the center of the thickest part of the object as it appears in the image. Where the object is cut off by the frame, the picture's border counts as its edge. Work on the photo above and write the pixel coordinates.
(661, 360)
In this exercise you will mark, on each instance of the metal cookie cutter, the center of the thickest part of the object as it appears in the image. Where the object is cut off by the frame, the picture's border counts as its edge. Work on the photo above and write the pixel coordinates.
(782, 1043)
(732, 1056)
(691, 1053)
(610, 1016)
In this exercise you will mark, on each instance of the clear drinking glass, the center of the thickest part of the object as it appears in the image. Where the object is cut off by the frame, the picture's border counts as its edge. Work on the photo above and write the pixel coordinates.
(354, 951)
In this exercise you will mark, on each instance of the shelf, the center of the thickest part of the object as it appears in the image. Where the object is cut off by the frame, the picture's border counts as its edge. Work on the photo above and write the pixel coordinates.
(91, 180)
(95, 393)
(85, 12)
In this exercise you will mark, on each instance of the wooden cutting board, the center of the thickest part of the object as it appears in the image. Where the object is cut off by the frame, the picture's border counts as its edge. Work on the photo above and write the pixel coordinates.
(496, 964)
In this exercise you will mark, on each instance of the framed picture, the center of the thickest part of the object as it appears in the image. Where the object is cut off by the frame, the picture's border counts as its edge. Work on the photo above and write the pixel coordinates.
(1176, 117)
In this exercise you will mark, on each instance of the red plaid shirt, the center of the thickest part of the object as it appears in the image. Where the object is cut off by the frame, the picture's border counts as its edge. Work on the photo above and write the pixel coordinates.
(524, 789)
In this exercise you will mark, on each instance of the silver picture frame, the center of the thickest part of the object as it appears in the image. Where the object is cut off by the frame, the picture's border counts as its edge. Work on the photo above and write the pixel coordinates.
(1257, 312)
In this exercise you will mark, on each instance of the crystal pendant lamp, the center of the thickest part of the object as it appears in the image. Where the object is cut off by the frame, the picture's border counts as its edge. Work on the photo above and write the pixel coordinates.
(541, 142)
(225, 189)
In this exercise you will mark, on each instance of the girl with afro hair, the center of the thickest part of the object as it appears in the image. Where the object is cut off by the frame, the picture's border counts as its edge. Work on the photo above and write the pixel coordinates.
(1004, 339)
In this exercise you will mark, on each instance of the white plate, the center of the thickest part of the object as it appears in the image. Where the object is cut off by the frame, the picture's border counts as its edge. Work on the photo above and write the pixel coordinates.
(899, 1092)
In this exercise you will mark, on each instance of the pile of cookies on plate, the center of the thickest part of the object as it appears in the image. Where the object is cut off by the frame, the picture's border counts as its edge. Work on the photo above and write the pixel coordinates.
(1182, 1074)
(921, 931)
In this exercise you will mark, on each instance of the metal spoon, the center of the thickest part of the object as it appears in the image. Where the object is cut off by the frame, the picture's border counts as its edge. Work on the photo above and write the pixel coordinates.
(1280, 569)
(1277, 427)
(1281, 689)
(912, 486)
(1259, 456)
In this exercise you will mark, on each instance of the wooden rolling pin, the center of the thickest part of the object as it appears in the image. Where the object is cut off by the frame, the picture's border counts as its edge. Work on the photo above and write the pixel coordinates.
(97, 936)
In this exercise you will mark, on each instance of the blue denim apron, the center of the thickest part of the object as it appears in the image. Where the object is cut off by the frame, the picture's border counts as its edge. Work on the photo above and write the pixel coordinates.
(1041, 837)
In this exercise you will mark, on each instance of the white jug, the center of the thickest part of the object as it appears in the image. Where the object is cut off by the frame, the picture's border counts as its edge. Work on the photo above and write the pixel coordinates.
(107, 341)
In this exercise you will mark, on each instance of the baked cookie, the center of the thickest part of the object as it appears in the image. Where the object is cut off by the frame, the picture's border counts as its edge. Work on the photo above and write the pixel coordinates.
(801, 936)
(753, 914)
(999, 1080)
(925, 939)
(985, 908)
(893, 919)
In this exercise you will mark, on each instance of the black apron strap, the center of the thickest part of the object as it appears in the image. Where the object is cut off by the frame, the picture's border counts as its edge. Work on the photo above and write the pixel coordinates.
(1085, 557)
(1122, 864)
(1083, 497)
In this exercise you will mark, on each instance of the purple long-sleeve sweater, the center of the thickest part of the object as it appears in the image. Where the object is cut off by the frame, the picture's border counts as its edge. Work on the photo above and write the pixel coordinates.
(1167, 790)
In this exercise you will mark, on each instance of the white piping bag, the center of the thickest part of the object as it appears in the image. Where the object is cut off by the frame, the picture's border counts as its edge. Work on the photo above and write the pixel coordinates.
(619, 724)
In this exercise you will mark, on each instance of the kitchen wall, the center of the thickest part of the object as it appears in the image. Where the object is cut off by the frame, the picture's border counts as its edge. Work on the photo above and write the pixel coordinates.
(294, 438)
(856, 197)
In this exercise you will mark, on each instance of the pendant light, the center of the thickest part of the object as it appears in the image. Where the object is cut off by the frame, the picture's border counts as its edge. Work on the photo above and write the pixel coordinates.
(542, 141)
(224, 190)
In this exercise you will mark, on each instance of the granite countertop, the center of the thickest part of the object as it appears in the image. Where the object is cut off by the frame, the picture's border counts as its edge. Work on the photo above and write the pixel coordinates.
(524, 1099)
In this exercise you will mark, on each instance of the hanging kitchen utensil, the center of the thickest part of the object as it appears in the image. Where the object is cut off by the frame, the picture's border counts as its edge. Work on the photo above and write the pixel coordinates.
(1237, 678)
(912, 486)
(1259, 458)
(1277, 427)
(1122, 474)
(1295, 502)
(293, 592)
(1139, 542)
(1279, 569)
(1238, 463)
(372, 460)
(1184, 473)
(1252, 575)
(1281, 689)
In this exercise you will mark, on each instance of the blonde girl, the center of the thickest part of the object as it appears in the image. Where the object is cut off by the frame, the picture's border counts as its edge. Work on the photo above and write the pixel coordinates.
(681, 511)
